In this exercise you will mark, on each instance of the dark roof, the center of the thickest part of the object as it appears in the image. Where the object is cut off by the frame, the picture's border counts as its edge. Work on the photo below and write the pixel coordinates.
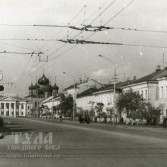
(110, 87)
(70, 87)
(87, 92)
(151, 77)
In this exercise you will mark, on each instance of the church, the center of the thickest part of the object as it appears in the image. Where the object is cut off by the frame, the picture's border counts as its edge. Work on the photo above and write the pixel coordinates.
(40, 91)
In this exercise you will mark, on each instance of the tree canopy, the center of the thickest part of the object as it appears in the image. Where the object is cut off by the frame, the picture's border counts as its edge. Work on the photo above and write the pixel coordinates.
(66, 105)
(135, 106)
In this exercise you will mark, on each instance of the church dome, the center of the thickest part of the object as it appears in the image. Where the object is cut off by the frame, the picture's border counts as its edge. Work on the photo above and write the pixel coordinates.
(48, 89)
(43, 80)
(36, 86)
(31, 87)
(55, 87)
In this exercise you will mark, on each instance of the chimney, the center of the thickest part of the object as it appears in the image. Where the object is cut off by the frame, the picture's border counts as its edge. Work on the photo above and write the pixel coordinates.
(134, 78)
(158, 68)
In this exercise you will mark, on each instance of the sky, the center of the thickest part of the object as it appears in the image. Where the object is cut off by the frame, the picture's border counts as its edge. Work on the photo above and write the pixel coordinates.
(81, 60)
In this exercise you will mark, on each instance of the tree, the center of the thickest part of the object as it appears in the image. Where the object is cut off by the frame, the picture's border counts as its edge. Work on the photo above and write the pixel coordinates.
(66, 105)
(99, 108)
(132, 102)
(136, 107)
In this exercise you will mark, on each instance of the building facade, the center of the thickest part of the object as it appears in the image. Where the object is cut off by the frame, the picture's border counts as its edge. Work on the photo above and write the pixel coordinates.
(13, 106)
(39, 92)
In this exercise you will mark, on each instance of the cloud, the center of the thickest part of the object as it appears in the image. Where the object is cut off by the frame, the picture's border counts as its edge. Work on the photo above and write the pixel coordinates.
(102, 73)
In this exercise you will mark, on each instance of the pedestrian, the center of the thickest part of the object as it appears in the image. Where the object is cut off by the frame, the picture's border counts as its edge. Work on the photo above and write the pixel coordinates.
(1, 128)
(60, 117)
(164, 122)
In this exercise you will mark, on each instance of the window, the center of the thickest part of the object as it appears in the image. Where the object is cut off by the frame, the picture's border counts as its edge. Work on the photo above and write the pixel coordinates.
(142, 93)
(22, 106)
(162, 90)
(146, 94)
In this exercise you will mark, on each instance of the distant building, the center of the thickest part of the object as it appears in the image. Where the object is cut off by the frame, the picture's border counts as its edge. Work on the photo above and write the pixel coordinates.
(85, 100)
(52, 102)
(13, 106)
(40, 91)
(162, 102)
(153, 88)
(89, 99)
(147, 86)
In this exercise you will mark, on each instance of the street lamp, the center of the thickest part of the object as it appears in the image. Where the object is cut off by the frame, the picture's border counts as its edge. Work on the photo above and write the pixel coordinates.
(114, 82)
(74, 96)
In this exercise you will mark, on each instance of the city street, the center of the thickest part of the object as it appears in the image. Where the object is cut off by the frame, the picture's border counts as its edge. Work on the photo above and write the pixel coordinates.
(81, 145)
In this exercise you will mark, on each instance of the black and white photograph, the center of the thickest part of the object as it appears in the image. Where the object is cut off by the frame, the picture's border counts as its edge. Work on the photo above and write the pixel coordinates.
(83, 83)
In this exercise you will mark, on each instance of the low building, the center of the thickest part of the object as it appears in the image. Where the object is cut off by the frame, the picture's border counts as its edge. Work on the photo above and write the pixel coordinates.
(85, 100)
(162, 102)
(89, 100)
(148, 86)
(52, 102)
(13, 106)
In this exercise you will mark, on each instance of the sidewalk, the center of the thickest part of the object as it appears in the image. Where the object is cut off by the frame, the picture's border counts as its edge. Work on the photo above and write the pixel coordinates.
(139, 127)
(108, 126)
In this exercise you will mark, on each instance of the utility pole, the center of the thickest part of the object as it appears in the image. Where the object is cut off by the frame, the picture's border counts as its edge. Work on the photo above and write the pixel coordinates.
(114, 101)
(163, 61)
(74, 95)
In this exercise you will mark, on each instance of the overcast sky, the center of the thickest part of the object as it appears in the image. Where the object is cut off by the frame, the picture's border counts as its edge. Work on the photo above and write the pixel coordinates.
(81, 60)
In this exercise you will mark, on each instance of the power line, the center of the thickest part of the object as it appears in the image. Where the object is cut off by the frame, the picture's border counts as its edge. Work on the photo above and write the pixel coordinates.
(72, 46)
(97, 10)
(120, 11)
(30, 53)
(64, 45)
(15, 46)
(26, 39)
(103, 11)
(135, 29)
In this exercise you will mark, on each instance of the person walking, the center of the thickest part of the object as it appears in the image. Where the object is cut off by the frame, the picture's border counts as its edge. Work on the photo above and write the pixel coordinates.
(61, 118)
(1, 128)
(164, 122)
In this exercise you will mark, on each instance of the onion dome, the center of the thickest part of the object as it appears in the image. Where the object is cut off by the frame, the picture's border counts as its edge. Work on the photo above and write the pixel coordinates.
(31, 87)
(43, 80)
(55, 87)
(36, 86)
(48, 89)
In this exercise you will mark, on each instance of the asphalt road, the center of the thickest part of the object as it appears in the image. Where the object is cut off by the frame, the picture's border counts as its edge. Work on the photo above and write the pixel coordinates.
(41, 142)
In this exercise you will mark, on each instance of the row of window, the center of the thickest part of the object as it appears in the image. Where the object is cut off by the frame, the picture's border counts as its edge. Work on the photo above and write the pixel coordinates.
(163, 91)
(12, 113)
(144, 93)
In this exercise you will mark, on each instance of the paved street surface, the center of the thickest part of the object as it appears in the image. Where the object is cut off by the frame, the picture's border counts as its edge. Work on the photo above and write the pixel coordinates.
(73, 144)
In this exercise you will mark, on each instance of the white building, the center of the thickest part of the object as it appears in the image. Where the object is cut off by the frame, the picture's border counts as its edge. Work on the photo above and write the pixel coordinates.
(51, 102)
(89, 99)
(162, 102)
(86, 100)
(13, 106)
